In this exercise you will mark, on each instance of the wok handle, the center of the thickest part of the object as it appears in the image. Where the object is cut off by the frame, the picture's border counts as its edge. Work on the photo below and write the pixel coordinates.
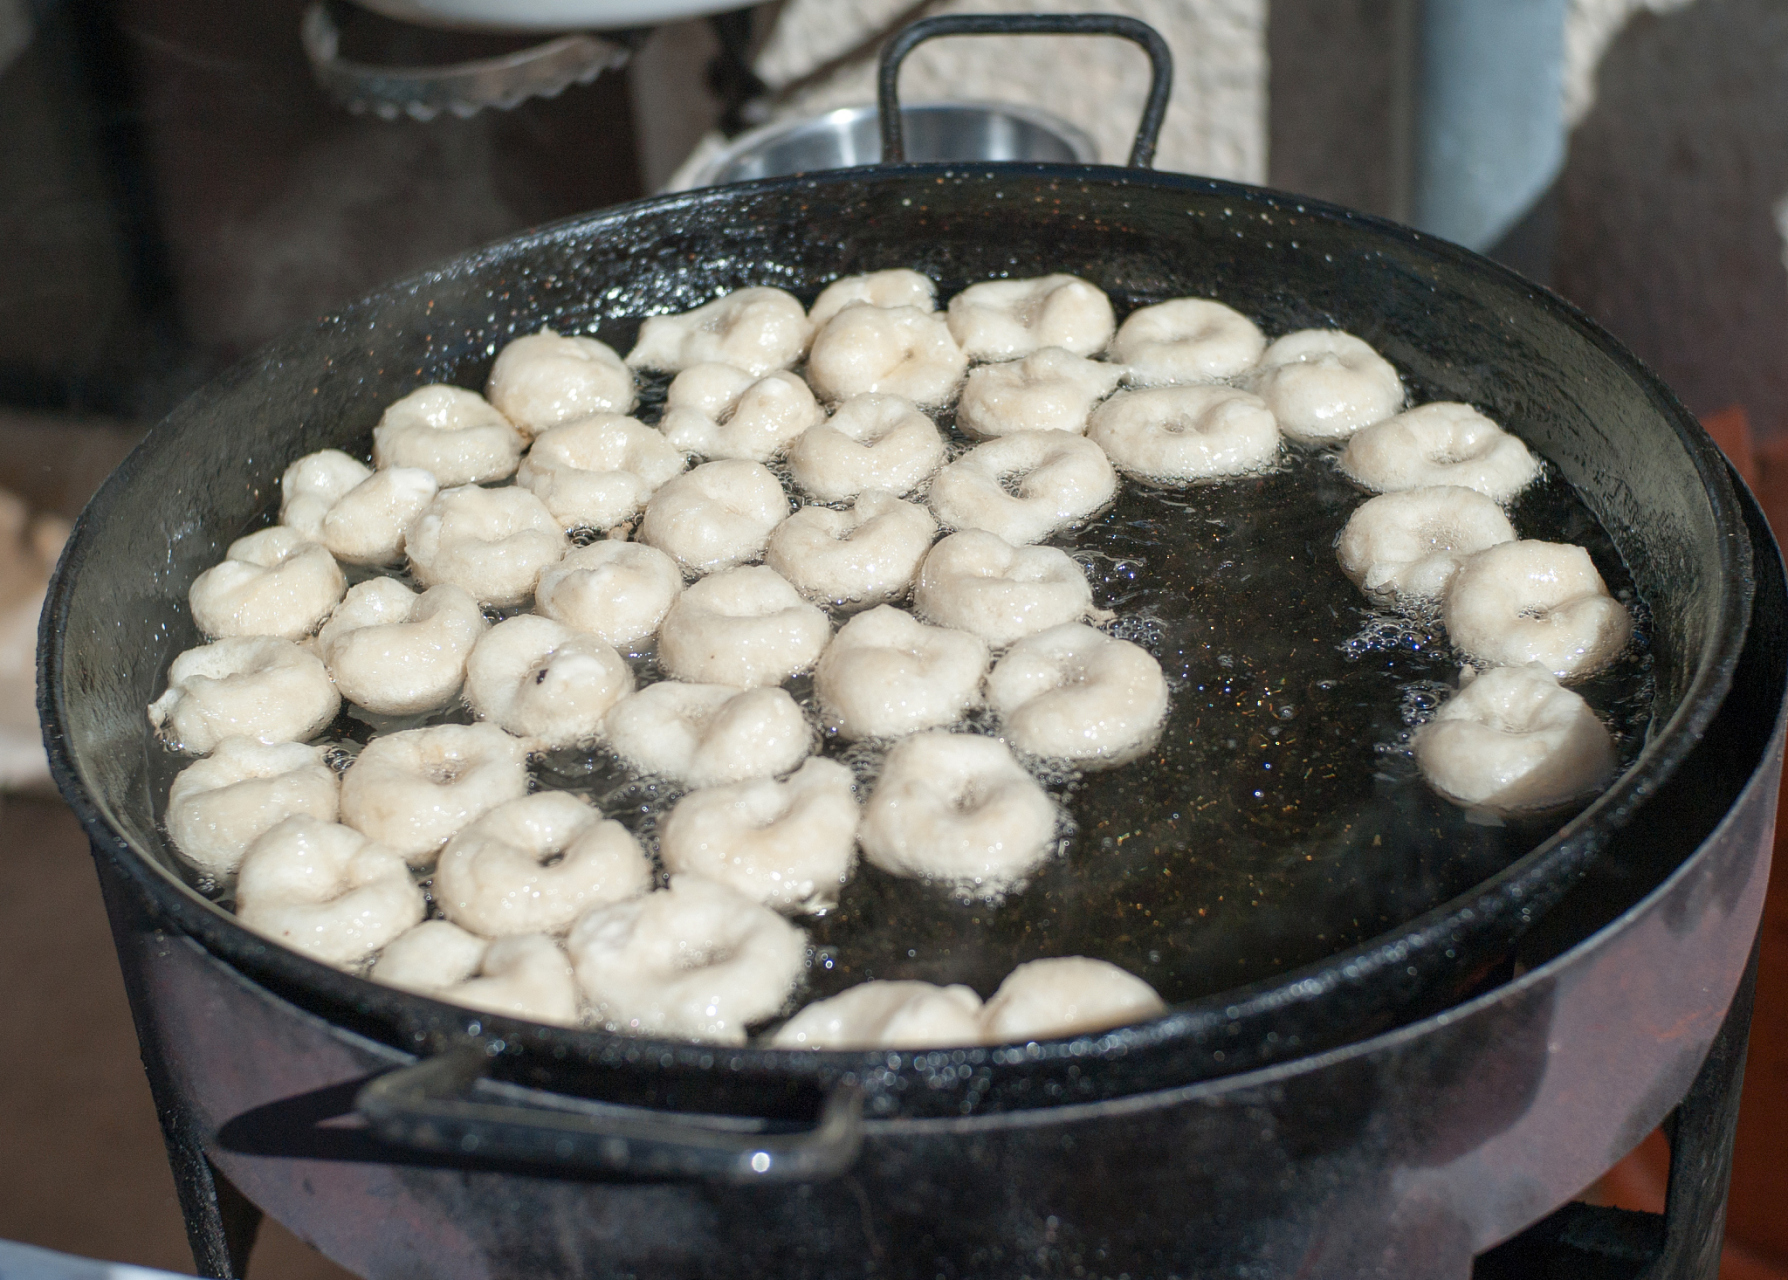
(1142, 151)
(434, 1105)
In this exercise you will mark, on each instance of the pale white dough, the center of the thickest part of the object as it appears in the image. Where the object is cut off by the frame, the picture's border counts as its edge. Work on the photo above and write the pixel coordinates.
(958, 807)
(887, 674)
(1049, 390)
(866, 555)
(525, 976)
(1005, 319)
(1536, 602)
(398, 652)
(273, 583)
(1065, 996)
(326, 890)
(547, 378)
(1513, 741)
(897, 287)
(220, 805)
(708, 735)
(413, 790)
(1186, 340)
(492, 542)
(432, 956)
(1073, 693)
(871, 442)
(598, 472)
(544, 682)
(1408, 545)
(1325, 384)
(717, 411)
(618, 591)
(1177, 435)
(247, 686)
(697, 961)
(756, 330)
(886, 1015)
(898, 351)
(370, 523)
(313, 484)
(742, 627)
(453, 434)
(978, 582)
(535, 864)
(1440, 444)
(719, 514)
(1056, 479)
(789, 844)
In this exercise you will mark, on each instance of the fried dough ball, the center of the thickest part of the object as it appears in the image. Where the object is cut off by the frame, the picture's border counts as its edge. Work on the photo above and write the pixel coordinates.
(897, 351)
(1440, 444)
(544, 682)
(756, 330)
(1178, 435)
(1325, 384)
(398, 652)
(492, 542)
(524, 976)
(1186, 340)
(597, 472)
(1073, 693)
(717, 411)
(744, 627)
(1024, 486)
(413, 790)
(313, 484)
(273, 583)
(449, 432)
(898, 287)
(1536, 602)
(546, 378)
(617, 591)
(1065, 996)
(871, 442)
(886, 674)
(978, 582)
(863, 556)
(1006, 319)
(247, 686)
(697, 961)
(1408, 545)
(219, 806)
(717, 515)
(535, 864)
(370, 524)
(1051, 389)
(326, 890)
(886, 1015)
(708, 735)
(788, 844)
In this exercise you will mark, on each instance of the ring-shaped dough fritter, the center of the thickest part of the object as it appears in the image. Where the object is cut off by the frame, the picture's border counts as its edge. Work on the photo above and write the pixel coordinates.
(413, 790)
(1073, 693)
(246, 686)
(756, 330)
(370, 524)
(1408, 545)
(313, 484)
(1048, 390)
(1325, 384)
(707, 735)
(717, 411)
(597, 472)
(617, 591)
(865, 556)
(719, 514)
(978, 582)
(887, 674)
(1186, 340)
(220, 805)
(524, 976)
(326, 890)
(1005, 319)
(1536, 602)
(492, 542)
(1024, 486)
(789, 844)
(744, 627)
(886, 1015)
(871, 442)
(1065, 996)
(544, 682)
(698, 961)
(273, 583)
(897, 287)
(1440, 444)
(453, 434)
(897, 351)
(548, 378)
(398, 652)
(958, 807)
(1514, 741)
(536, 864)
(1178, 435)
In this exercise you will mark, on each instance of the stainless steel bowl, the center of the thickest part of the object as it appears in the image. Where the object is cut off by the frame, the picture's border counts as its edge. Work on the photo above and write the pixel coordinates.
(851, 136)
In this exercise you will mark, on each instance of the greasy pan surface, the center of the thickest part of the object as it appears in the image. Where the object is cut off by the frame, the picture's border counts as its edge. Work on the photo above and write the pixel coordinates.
(1457, 327)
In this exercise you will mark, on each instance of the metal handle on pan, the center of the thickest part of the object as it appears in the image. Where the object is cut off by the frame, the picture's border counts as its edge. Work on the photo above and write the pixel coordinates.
(1142, 151)
(445, 1104)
